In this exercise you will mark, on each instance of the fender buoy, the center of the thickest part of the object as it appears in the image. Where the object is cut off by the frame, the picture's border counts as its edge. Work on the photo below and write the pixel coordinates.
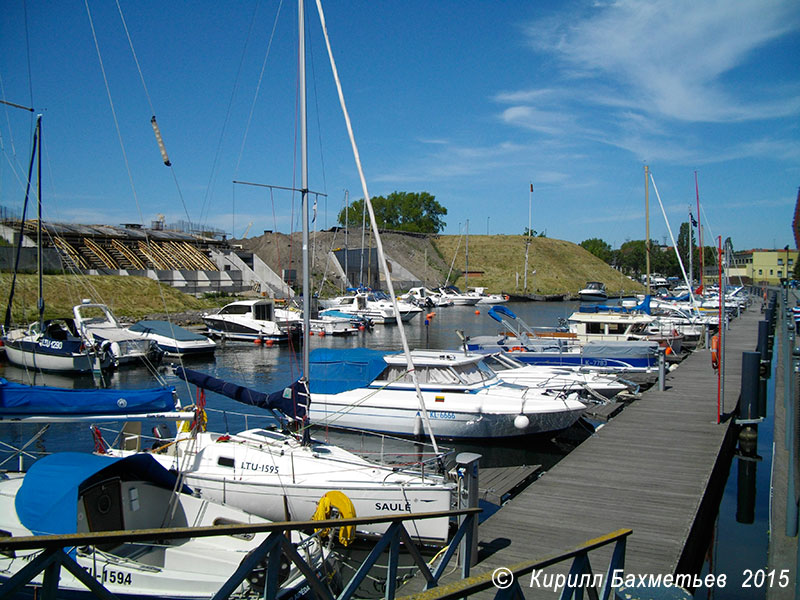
(715, 352)
(517, 349)
(344, 510)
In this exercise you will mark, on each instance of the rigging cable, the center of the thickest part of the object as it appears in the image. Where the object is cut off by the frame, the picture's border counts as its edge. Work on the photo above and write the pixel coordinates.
(373, 221)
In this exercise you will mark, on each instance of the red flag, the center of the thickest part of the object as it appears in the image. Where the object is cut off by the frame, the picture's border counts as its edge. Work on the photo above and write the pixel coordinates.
(531, 187)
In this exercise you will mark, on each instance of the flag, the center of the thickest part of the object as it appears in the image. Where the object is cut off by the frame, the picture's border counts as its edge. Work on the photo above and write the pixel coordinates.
(694, 223)
(531, 188)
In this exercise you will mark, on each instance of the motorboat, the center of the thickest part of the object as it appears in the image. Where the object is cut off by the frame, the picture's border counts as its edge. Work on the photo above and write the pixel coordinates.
(364, 305)
(458, 298)
(72, 492)
(636, 360)
(327, 324)
(595, 291)
(425, 298)
(620, 323)
(372, 390)
(54, 345)
(486, 298)
(246, 320)
(98, 324)
(173, 339)
(588, 384)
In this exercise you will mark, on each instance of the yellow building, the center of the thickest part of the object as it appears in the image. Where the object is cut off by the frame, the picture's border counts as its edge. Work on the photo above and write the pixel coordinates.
(759, 266)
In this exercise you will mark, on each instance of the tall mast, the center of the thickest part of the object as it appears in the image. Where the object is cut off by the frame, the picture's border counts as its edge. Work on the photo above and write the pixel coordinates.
(647, 225)
(39, 224)
(304, 185)
(528, 241)
(699, 229)
(466, 261)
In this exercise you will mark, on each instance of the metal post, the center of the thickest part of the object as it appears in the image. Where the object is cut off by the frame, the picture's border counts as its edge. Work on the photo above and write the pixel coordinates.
(467, 464)
(662, 369)
(748, 405)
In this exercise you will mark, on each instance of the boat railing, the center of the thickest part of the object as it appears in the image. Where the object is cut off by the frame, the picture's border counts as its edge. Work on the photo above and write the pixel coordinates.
(56, 553)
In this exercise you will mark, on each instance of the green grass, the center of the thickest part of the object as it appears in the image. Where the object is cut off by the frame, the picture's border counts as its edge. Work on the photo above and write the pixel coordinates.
(561, 267)
(133, 297)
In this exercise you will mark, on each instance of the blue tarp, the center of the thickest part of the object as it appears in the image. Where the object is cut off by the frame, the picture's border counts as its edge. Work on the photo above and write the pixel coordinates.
(643, 307)
(18, 400)
(339, 370)
(47, 501)
(290, 404)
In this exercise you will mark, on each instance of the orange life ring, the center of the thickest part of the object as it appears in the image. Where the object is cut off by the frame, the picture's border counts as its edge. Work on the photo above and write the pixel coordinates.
(715, 352)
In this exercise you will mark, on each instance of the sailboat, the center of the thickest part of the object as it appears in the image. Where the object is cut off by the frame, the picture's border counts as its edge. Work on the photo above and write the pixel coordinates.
(55, 344)
(277, 474)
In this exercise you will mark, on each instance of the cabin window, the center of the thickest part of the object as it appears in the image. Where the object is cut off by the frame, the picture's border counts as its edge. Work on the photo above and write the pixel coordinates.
(235, 309)
(444, 376)
(474, 372)
(594, 328)
(616, 328)
(394, 374)
(226, 461)
(262, 312)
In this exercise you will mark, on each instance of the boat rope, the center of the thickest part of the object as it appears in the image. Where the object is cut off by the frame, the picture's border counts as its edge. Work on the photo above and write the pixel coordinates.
(374, 224)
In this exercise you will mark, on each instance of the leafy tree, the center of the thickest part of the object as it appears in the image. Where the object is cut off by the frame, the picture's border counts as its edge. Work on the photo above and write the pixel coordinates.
(403, 211)
(599, 248)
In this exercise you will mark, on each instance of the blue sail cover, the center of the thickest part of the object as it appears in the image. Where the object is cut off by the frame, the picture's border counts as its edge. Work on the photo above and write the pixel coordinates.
(47, 500)
(286, 402)
(339, 370)
(18, 400)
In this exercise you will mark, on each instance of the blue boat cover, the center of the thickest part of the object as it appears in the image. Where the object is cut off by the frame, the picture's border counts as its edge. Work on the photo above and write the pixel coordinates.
(497, 312)
(166, 329)
(339, 370)
(47, 500)
(18, 400)
(287, 402)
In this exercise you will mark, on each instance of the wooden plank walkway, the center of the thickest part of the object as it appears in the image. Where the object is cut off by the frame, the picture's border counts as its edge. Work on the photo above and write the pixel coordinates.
(498, 483)
(648, 469)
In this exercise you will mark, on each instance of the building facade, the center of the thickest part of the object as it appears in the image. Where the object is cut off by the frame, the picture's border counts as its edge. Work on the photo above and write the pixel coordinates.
(759, 266)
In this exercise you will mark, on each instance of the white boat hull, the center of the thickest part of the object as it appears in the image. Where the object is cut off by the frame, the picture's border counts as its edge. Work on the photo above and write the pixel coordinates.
(455, 416)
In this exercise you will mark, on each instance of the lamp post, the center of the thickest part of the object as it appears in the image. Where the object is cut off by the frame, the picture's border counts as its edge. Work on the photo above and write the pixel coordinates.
(786, 265)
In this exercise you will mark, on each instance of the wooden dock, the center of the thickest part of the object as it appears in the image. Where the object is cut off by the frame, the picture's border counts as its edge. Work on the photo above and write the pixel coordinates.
(657, 468)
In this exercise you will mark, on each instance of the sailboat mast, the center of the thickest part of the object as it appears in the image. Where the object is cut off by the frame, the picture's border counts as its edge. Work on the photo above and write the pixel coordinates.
(528, 241)
(304, 185)
(699, 230)
(39, 224)
(466, 261)
(647, 225)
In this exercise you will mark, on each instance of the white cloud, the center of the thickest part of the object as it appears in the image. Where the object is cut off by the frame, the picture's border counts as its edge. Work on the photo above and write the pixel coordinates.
(670, 57)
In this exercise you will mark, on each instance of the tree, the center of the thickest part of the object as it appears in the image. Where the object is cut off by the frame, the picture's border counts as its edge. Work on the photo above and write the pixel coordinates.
(599, 248)
(403, 211)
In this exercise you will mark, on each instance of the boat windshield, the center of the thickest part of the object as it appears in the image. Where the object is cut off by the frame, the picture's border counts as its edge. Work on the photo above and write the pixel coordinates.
(473, 373)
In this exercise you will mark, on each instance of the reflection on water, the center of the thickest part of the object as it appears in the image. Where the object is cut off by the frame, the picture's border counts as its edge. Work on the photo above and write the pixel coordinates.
(271, 368)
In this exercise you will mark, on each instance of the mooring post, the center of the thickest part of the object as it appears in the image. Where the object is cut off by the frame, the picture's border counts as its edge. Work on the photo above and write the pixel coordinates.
(467, 467)
(662, 369)
(748, 405)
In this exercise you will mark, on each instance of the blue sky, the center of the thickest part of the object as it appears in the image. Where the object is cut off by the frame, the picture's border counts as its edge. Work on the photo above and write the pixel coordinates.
(469, 101)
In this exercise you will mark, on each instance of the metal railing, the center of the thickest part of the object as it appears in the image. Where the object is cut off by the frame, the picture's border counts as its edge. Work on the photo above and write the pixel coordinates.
(506, 580)
(56, 553)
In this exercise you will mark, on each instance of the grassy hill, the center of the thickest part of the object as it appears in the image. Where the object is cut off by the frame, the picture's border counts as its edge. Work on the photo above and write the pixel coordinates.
(561, 267)
(133, 297)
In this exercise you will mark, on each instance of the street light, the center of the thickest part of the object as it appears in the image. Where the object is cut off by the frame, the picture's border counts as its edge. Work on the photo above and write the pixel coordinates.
(786, 247)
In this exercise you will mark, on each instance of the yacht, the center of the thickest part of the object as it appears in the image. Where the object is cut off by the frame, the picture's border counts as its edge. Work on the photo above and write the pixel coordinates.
(246, 320)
